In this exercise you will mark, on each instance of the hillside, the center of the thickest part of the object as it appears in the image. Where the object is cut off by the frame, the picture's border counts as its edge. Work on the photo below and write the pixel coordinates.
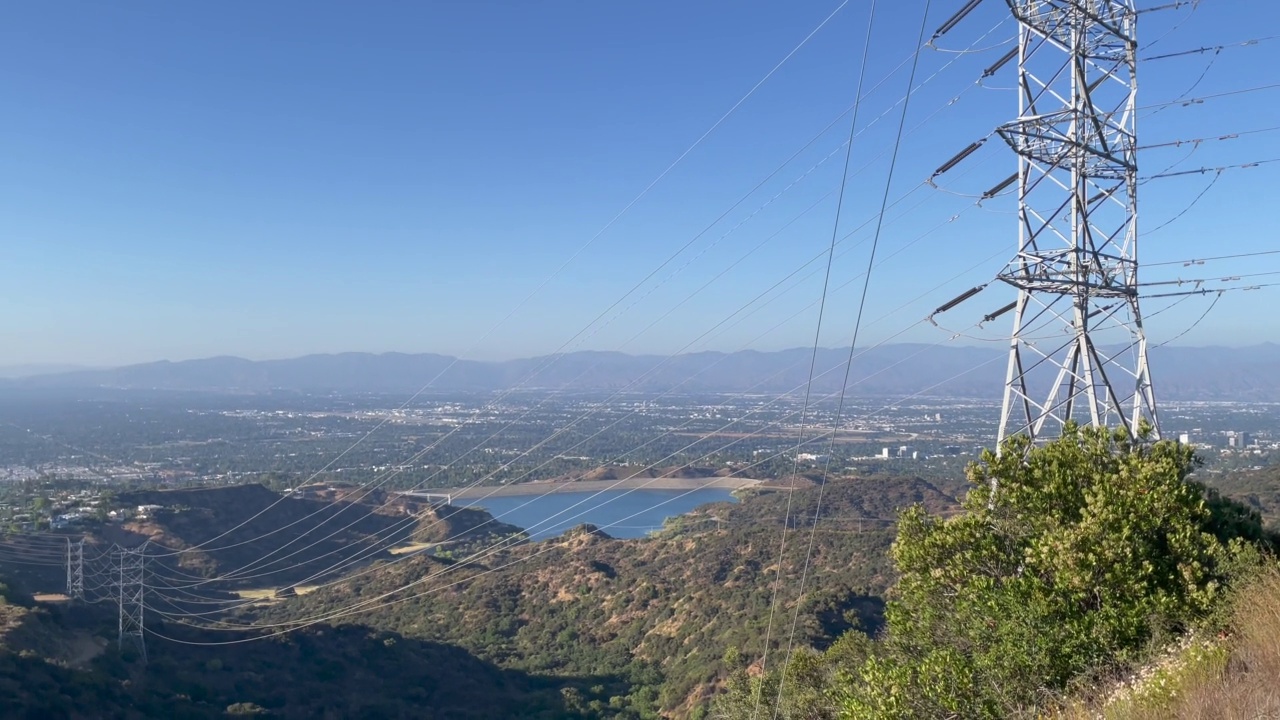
(1240, 374)
(1257, 488)
(1229, 677)
(286, 539)
(657, 613)
(56, 663)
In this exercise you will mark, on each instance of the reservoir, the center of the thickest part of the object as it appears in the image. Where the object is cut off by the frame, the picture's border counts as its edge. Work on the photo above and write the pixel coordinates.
(619, 513)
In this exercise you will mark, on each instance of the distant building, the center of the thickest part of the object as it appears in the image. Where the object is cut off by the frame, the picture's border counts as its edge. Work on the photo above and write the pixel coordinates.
(1184, 438)
(61, 522)
(884, 452)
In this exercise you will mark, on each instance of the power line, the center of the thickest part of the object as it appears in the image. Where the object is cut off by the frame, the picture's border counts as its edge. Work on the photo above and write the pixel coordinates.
(1199, 100)
(822, 304)
(421, 453)
(1218, 169)
(1201, 261)
(1201, 281)
(1210, 138)
(643, 193)
(731, 423)
(1185, 210)
(764, 293)
(555, 356)
(386, 599)
(857, 325)
(622, 457)
(1215, 49)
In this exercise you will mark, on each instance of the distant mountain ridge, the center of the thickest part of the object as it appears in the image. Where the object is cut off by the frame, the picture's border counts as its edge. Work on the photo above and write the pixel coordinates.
(1182, 373)
(22, 371)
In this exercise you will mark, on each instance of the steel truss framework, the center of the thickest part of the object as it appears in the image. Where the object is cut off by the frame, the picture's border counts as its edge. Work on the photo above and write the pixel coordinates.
(75, 570)
(1078, 350)
(131, 584)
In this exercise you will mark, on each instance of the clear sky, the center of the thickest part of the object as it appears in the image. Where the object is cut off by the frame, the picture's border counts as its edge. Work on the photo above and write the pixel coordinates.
(182, 180)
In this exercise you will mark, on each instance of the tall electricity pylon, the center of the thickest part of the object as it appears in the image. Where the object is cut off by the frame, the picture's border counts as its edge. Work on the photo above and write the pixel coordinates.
(132, 582)
(75, 569)
(1078, 350)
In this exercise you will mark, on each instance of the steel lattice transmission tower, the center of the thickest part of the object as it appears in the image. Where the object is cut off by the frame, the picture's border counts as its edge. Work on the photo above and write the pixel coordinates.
(75, 570)
(132, 583)
(1078, 350)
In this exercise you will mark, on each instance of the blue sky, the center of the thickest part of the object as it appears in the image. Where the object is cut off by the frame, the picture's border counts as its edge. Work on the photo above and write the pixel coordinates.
(266, 180)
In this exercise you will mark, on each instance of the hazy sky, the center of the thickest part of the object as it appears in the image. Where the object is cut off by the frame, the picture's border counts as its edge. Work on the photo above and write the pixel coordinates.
(181, 180)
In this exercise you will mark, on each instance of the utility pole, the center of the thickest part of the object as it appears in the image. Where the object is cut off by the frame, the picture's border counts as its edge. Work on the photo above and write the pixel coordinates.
(132, 582)
(1078, 351)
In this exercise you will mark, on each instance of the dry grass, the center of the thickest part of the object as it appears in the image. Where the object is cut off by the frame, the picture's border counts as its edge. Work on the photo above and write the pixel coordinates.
(1236, 678)
(411, 548)
(270, 592)
(257, 593)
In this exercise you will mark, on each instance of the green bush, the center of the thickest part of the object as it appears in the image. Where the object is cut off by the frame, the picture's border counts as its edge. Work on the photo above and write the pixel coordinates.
(1069, 556)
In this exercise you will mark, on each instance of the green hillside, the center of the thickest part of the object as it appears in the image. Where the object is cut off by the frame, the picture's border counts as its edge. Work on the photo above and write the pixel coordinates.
(659, 613)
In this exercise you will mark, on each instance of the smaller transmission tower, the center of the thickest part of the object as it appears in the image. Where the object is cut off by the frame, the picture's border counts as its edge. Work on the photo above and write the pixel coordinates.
(1078, 350)
(75, 570)
(131, 585)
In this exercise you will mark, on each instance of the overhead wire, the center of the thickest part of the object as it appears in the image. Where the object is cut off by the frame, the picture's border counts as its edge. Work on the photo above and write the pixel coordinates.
(1201, 281)
(862, 302)
(911, 90)
(822, 304)
(917, 239)
(503, 545)
(1194, 4)
(1218, 169)
(643, 193)
(1214, 181)
(547, 547)
(1209, 138)
(1200, 100)
(1215, 49)
(1195, 324)
(786, 320)
(623, 456)
(1200, 261)
(555, 356)
(740, 319)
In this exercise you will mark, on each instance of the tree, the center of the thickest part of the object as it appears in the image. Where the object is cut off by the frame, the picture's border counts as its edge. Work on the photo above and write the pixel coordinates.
(1068, 557)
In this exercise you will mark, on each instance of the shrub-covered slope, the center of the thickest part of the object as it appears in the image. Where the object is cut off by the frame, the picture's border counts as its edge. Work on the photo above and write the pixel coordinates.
(659, 612)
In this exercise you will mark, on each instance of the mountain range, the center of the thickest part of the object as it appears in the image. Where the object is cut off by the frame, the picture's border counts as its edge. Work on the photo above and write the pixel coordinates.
(1181, 373)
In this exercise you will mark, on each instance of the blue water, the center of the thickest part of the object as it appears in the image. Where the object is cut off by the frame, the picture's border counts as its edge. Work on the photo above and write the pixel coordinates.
(619, 513)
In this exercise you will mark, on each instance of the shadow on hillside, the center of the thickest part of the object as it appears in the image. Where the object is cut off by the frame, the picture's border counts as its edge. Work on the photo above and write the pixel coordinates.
(324, 672)
(353, 671)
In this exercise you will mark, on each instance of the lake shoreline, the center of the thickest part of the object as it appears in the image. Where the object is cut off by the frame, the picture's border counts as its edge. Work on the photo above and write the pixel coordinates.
(591, 486)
